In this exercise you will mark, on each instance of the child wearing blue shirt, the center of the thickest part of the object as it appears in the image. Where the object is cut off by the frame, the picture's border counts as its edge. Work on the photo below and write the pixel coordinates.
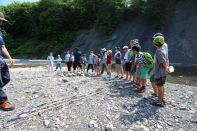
(58, 63)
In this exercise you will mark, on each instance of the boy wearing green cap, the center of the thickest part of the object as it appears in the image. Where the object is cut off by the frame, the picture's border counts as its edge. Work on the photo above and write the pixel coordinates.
(152, 78)
(4, 70)
(160, 70)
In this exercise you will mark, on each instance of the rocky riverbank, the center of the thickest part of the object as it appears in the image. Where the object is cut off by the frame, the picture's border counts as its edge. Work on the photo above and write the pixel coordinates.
(74, 102)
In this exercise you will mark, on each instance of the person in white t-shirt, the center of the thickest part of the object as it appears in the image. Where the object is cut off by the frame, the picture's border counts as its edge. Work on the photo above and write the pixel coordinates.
(127, 63)
(68, 60)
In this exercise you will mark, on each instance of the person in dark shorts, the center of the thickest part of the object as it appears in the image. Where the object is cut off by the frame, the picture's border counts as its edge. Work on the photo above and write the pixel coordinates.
(118, 63)
(91, 61)
(67, 60)
(160, 70)
(83, 62)
(127, 64)
(77, 59)
(134, 42)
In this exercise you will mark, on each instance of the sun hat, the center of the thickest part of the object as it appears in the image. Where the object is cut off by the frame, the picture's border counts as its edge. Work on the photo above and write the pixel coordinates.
(118, 48)
(136, 40)
(125, 47)
(104, 49)
(159, 40)
(2, 17)
(110, 51)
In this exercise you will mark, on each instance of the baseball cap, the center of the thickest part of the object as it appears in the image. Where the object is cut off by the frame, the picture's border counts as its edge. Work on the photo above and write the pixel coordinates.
(159, 40)
(104, 49)
(136, 40)
(110, 51)
(125, 47)
(118, 48)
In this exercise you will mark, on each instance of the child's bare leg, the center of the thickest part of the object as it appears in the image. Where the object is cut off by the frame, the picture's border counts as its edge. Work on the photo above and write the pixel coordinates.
(143, 83)
(131, 76)
(155, 89)
(160, 93)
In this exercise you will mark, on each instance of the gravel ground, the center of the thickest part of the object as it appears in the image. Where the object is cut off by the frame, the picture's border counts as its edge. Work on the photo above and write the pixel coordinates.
(73, 102)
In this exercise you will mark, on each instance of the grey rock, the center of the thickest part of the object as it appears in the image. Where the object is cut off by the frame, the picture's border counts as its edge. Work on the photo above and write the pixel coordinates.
(159, 127)
(46, 123)
(65, 80)
(109, 127)
(92, 124)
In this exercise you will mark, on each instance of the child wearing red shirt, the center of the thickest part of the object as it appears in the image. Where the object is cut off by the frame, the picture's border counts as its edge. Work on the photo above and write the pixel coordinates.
(109, 62)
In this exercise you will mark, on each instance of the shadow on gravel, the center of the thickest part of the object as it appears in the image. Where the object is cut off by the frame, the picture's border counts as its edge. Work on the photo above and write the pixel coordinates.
(140, 110)
(120, 88)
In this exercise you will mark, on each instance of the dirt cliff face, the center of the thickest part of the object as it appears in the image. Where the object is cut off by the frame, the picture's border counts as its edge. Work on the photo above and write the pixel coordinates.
(180, 32)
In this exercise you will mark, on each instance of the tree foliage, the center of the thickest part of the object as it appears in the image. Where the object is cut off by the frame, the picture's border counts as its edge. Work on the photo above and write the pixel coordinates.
(35, 29)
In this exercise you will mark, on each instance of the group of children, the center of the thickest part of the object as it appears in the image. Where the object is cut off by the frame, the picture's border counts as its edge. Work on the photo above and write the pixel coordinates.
(135, 63)
(134, 66)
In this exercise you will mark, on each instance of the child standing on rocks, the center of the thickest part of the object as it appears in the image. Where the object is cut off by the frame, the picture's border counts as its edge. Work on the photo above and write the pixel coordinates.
(68, 60)
(103, 60)
(160, 69)
(77, 60)
(109, 62)
(118, 63)
(134, 42)
(83, 62)
(142, 69)
(152, 78)
(58, 63)
(50, 60)
(98, 64)
(4, 71)
(91, 61)
(127, 63)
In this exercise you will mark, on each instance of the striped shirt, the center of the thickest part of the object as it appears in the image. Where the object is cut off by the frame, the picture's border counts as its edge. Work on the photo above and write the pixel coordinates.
(141, 59)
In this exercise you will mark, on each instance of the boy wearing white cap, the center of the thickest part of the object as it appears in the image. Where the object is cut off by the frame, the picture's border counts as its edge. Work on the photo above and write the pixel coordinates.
(103, 60)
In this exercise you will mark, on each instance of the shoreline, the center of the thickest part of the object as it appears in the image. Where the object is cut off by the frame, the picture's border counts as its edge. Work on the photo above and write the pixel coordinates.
(174, 78)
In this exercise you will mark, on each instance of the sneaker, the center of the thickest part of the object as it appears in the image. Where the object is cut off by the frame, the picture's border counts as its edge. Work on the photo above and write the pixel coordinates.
(6, 106)
(121, 77)
(116, 77)
(157, 103)
(154, 95)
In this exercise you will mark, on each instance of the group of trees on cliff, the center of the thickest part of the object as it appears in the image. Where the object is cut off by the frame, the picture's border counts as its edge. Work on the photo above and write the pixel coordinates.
(35, 29)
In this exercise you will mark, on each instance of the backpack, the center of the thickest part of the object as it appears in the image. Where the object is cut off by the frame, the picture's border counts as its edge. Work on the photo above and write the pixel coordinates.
(149, 60)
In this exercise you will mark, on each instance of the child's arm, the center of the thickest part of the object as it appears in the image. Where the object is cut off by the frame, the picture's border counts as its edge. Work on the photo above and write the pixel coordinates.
(7, 55)
(166, 65)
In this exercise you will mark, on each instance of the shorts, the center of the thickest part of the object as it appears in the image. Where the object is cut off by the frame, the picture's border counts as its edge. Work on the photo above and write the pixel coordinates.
(161, 81)
(152, 78)
(133, 68)
(118, 66)
(127, 66)
(144, 73)
(77, 64)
